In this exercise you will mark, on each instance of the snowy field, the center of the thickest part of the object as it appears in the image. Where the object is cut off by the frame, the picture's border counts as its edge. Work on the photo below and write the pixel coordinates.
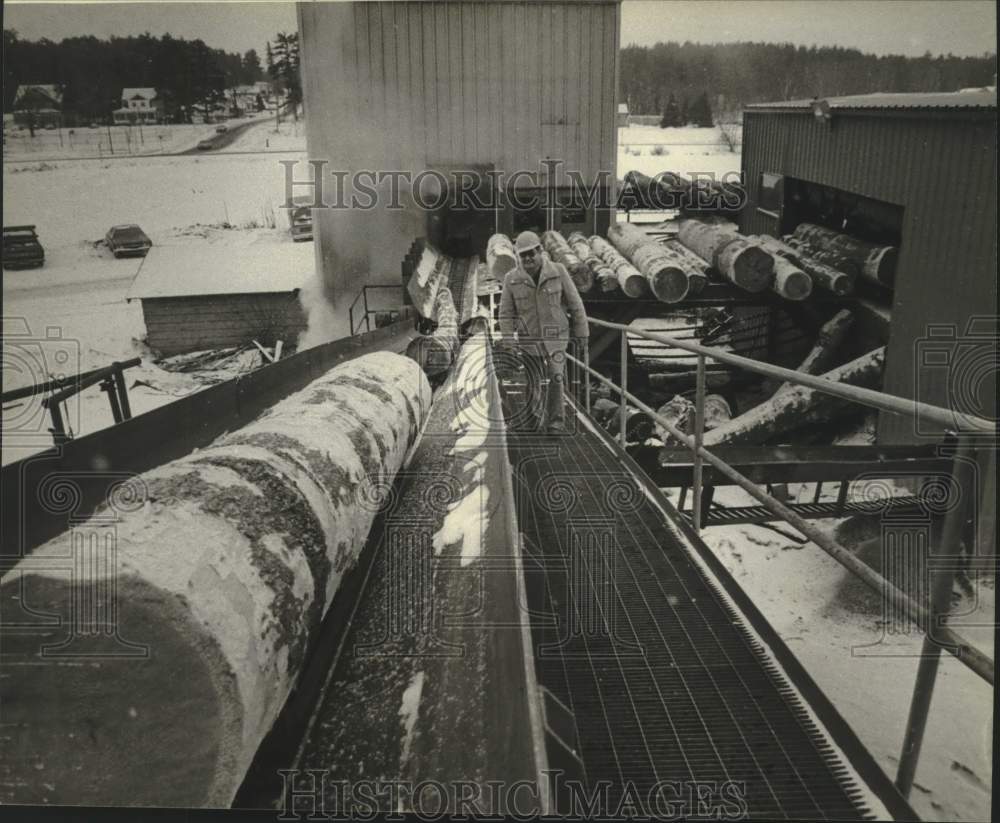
(233, 198)
(108, 142)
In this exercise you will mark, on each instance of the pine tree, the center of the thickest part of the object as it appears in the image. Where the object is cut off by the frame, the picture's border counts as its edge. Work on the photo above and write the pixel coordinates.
(671, 114)
(701, 112)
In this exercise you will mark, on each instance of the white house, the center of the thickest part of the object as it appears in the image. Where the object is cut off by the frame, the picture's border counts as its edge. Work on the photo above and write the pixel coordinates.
(139, 105)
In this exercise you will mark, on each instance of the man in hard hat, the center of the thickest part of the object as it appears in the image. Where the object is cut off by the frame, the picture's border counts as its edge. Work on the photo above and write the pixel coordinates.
(539, 302)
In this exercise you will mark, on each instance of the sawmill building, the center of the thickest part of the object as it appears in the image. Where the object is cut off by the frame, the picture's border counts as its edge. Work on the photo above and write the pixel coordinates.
(916, 171)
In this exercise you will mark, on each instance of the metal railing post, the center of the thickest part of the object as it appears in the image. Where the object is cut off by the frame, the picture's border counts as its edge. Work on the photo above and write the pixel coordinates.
(942, 582)
(122, 390)
(699, 429)
(586, 376)
(624, 367)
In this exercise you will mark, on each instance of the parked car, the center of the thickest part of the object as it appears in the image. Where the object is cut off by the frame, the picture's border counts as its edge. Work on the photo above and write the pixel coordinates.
(127, 241)
(21, 249)
(221, 129)
(300, 219)
(206, 144)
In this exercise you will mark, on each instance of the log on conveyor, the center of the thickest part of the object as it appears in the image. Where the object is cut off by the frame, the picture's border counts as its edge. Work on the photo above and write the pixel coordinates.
(436, 351)
(208, 579)
(500, 257)
(877, 263)
(559, 250)
(603, 274)
(432, 272)
(679, 380)
(665, 272)
(822, 354)
(737, 258)
(799, 405)
(630, 279)
(838, 282)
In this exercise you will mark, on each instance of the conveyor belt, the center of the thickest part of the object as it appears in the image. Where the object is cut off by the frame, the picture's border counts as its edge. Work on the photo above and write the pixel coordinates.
(661, 674)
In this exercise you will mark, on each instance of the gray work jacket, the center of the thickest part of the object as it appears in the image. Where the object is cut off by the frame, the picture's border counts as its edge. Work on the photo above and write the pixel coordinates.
(540, 312)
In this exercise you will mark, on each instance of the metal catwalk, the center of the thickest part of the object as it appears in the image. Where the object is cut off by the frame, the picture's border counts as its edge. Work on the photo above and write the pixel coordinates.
(637, 646)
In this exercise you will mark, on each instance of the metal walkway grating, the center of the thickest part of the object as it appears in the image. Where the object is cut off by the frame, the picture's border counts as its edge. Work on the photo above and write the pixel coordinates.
(662, 676)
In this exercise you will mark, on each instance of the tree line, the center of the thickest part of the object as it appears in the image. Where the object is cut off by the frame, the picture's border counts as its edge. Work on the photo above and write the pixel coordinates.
(91, 73)
(732, 75)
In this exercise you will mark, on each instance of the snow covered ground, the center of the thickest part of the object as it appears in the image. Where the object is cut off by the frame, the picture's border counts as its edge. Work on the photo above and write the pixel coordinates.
(71, 314)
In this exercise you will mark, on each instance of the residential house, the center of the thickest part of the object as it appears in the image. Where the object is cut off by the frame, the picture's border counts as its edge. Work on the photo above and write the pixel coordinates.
(38, 105)
(139, 105)
(622, 115)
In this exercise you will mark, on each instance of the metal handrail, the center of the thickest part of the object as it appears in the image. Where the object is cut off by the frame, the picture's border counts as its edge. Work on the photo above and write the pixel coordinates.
(932, 619)
(363, 295)
(866, 397)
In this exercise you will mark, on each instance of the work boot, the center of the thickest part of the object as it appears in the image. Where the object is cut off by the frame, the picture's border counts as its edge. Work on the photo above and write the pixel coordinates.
(557, 427)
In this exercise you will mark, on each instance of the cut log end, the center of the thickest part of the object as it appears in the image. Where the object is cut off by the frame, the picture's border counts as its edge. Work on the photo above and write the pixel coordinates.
(634, 285)
(669, 285)
(136, 717)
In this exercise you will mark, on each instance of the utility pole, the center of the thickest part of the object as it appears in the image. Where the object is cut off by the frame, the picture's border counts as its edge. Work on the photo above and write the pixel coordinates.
(111, 144)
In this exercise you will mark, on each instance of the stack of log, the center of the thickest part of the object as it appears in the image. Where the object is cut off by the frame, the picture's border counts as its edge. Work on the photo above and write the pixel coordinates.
(603, 274)
(671, 276)
(559, 250)
(876, 263)
(670, 191)
(630, 280)
(736, 257)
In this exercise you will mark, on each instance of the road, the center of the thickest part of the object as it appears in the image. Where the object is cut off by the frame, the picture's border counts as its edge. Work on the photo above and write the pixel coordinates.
(220, 141)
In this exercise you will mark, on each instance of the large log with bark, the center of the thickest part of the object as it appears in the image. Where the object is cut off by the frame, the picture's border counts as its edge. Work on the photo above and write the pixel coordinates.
(205, 582)
(559, 250)
(737, 258)
(799, 406)
(603, 274)
(630, 279)
(823, 353)
(665, 272)
(822, 275)
(500, 257)
(877, 263)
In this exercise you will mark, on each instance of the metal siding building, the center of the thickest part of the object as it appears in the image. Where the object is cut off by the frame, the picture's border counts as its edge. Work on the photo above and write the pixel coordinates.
(455, 84)
(930, 160)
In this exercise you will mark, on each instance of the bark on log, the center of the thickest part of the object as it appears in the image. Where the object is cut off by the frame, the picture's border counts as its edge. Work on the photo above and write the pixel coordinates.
(831, 335)
(431, 273)
(500, 257)
(435, 352)
(824, 276)
(789, 280)
(630, 279)
(559, 250)
(878, 263)
(604, 276)
(224, 564)
(664, 272)
(696, 268)
(739, 260)
(831, 259)
(798, 406)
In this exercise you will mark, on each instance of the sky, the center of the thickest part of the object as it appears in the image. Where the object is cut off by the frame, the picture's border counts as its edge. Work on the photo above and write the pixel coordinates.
(962, 27)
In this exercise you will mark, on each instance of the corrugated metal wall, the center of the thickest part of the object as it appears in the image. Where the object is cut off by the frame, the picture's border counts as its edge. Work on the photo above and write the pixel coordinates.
(941, 168)
(448, 84)
(412, 84)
